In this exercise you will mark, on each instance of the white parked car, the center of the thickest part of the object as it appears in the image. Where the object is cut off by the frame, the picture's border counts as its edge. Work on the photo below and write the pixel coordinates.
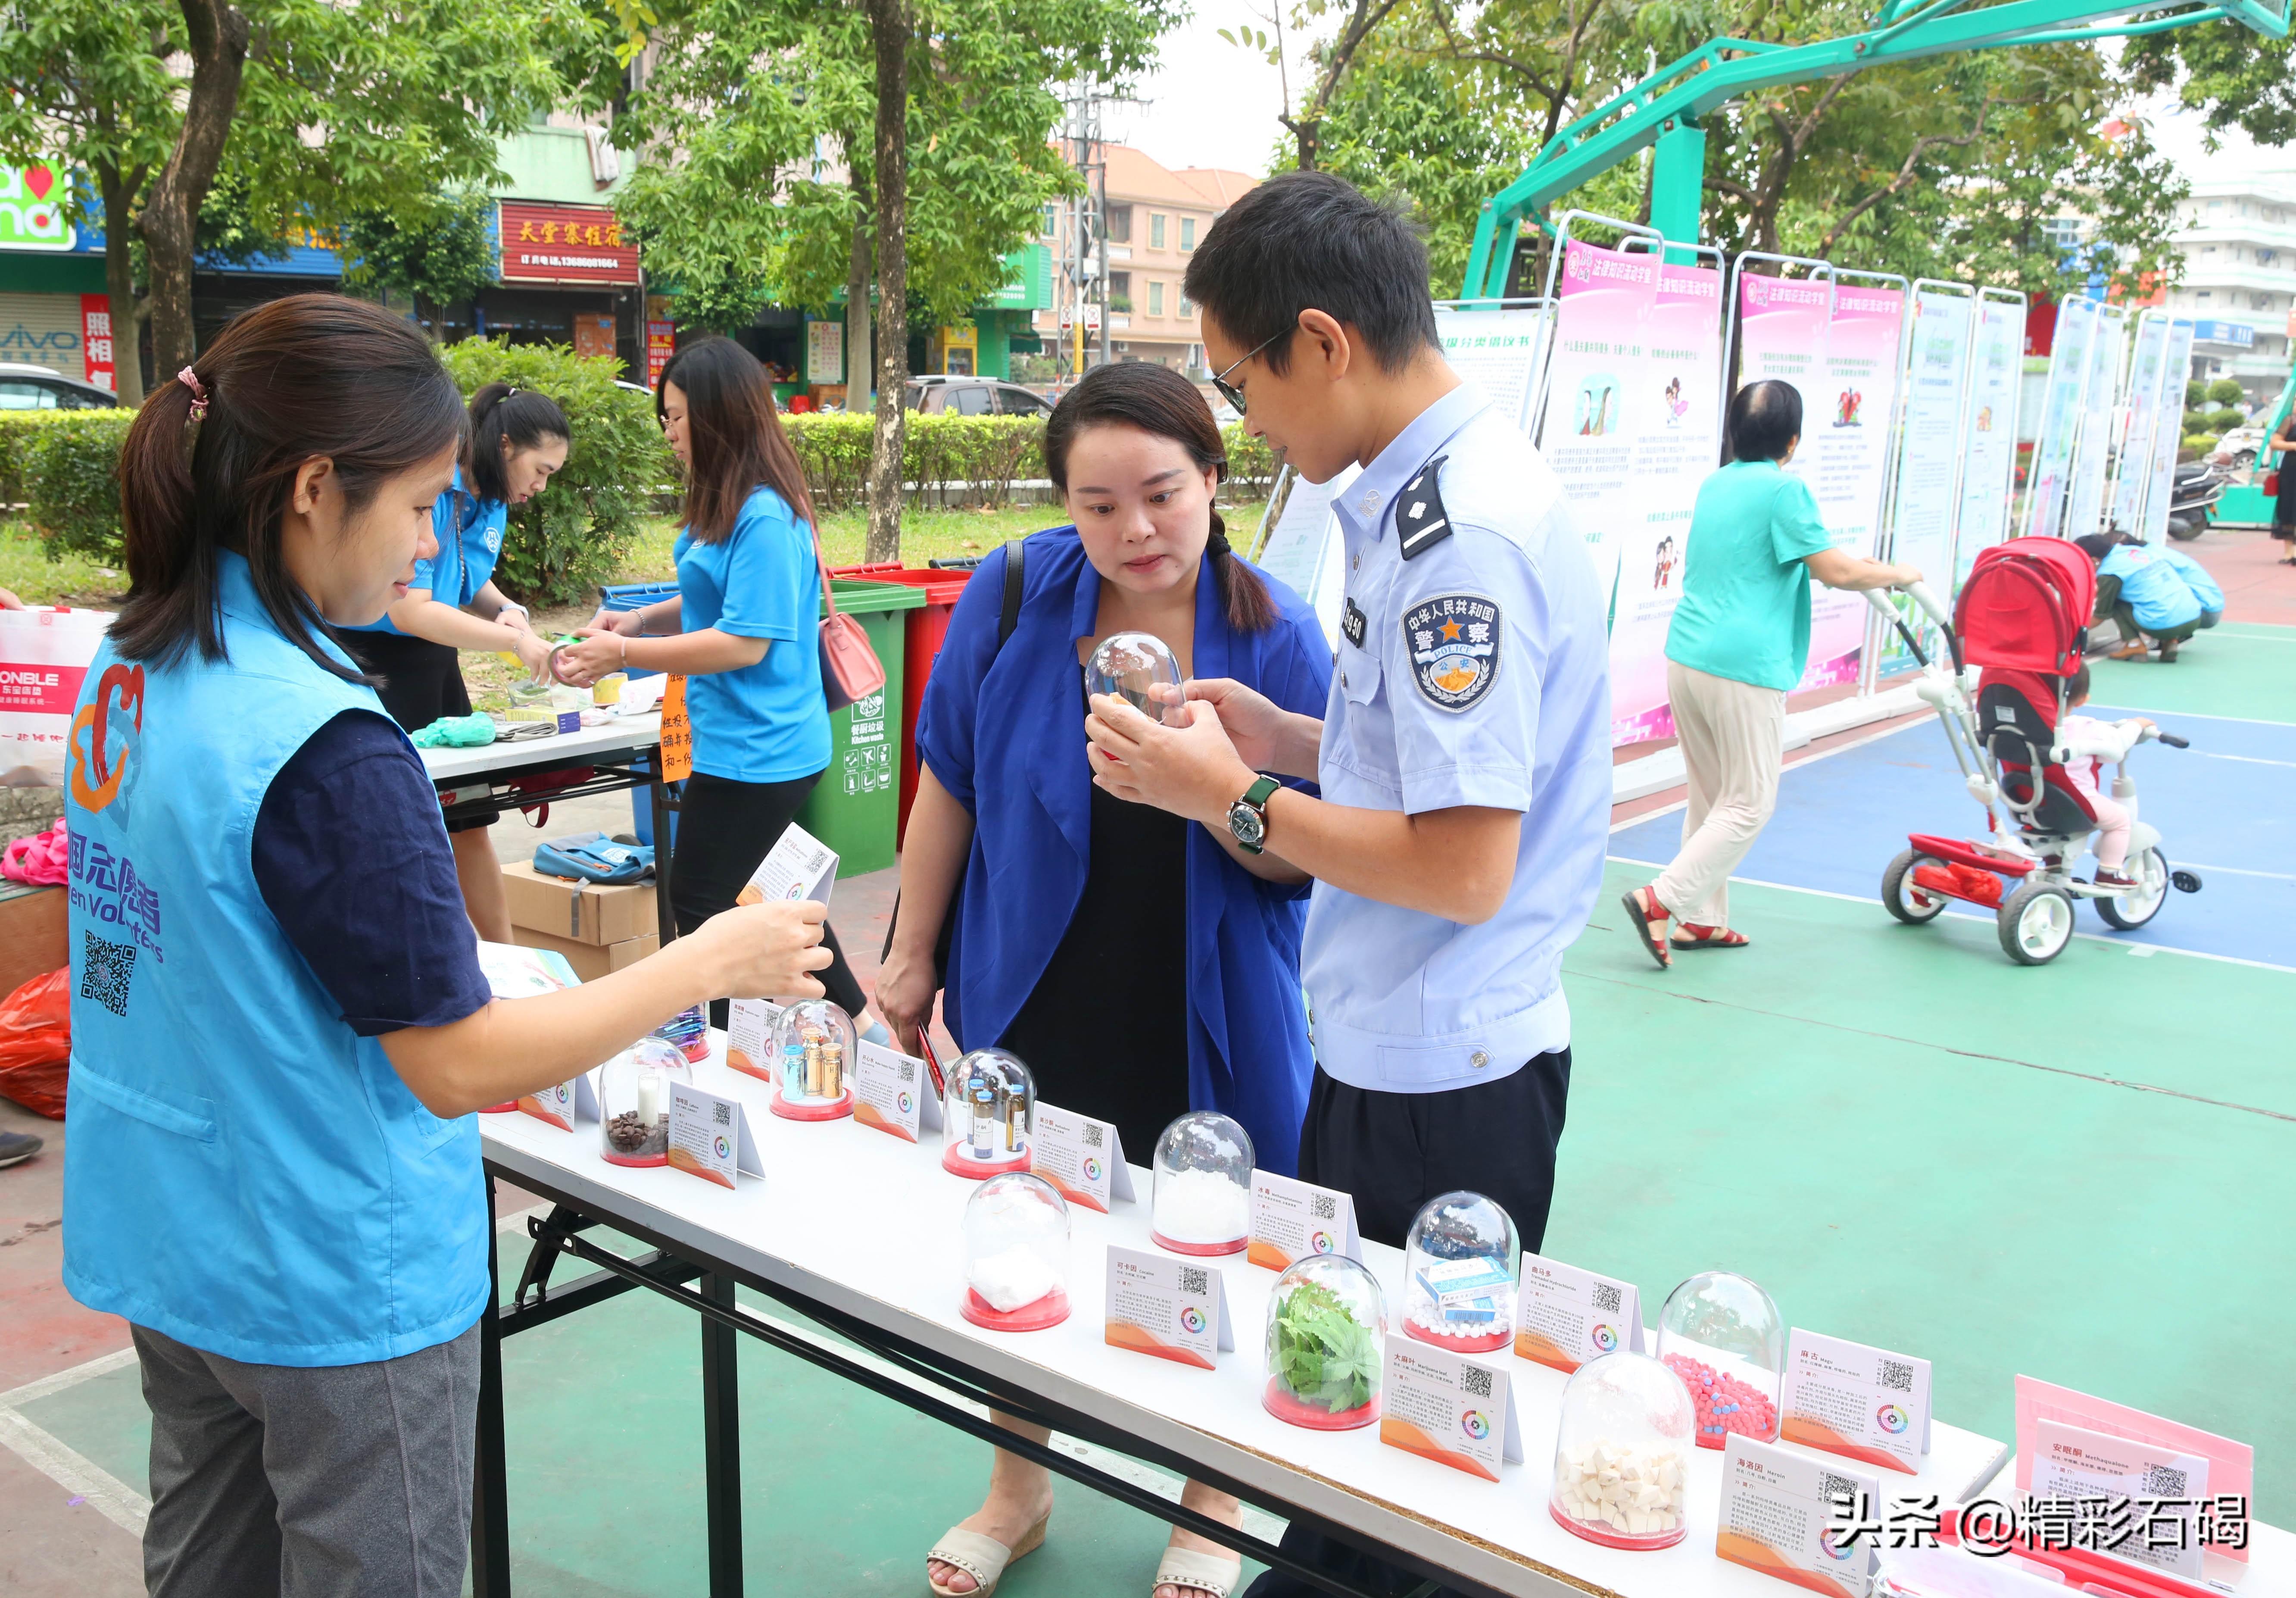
(2238, 448)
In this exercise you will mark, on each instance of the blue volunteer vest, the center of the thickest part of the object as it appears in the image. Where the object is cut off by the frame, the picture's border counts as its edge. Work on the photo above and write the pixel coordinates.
(242, 1172)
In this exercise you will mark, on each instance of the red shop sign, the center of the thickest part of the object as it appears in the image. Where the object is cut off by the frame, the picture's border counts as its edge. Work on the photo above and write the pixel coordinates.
(565, 243)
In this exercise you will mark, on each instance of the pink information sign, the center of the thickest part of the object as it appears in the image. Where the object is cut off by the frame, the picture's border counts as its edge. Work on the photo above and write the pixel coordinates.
(1847, 434)
(1598, 365)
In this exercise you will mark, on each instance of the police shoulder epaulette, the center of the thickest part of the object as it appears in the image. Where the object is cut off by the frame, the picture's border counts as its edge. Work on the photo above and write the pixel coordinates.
(1421, 522)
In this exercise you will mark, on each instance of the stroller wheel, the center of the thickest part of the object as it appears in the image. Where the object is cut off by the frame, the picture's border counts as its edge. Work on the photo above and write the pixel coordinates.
(2142, 903)
(2036, 923)
(1903, 898)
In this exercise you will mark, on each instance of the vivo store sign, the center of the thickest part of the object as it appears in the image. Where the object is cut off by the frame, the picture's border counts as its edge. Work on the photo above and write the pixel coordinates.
(32, 208)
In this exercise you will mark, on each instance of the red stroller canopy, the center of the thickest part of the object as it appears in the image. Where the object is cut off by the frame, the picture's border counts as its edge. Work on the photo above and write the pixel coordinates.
(2026, 606)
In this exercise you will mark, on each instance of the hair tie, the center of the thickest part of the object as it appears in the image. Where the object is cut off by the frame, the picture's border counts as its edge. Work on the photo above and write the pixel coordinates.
(1217, 545)
(190, 379)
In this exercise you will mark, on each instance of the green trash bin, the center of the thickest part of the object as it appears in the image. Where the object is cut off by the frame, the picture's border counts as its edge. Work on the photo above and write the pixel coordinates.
(855, 807)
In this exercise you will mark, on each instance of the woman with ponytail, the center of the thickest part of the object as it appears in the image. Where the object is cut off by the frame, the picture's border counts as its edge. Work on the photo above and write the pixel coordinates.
(280, 1026)
(518, 439)
(1142, 965)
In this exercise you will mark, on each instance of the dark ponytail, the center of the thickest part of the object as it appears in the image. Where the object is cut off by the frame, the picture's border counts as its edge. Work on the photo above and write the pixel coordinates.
(1157, 400)
(501, 415)
(306, 376)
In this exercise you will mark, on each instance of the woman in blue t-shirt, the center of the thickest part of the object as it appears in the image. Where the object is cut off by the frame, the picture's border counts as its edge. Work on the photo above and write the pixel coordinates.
(518, 441)
(743, 629)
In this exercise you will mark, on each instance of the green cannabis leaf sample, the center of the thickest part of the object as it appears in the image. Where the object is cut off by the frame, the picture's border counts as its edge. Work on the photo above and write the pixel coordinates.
(1323, 1354)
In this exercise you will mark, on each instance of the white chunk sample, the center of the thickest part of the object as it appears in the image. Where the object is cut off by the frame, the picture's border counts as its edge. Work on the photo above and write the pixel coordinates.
(1200, 1207)
(1633, 1490)
(1017, 1276)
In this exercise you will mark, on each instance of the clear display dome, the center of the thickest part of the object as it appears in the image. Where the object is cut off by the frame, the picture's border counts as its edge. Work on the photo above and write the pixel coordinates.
(1327, 1345)
(1142, 671)
(1460, 1267)
(989, 1122)
(687, 1031)
(812, 1049)
(1622, 1453)
(1016, 1254)
(1723, 1336)
(1204, 1185)
(633, 1101)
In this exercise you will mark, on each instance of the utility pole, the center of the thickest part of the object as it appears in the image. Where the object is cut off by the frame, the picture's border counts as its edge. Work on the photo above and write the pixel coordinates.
(1084, 265)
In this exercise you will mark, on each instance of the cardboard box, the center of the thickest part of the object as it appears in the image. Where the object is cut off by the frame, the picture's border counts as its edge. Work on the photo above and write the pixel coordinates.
(590, 912)
(590, 960)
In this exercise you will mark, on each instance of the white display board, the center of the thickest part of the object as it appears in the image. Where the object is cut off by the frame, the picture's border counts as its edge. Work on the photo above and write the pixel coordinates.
(2168, 430)
(1989, 430)
(1301, 549)
(1497, 346)
(2149, 400)
(1923, 497)
(2061, 414)
(2101, 404)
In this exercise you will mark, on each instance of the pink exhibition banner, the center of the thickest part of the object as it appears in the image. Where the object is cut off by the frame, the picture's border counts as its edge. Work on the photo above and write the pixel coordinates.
(1598, 363)
(1674, 414)
(1850, 429)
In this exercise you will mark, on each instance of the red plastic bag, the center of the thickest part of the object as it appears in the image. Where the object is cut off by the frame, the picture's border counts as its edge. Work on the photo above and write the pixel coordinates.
(36, 1043)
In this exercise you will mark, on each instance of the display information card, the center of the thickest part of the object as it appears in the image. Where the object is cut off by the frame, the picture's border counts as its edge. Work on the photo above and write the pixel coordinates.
(710, 1137)
(800, 867)
(1175, 1309)
(2148, 1492)
(1866, 1404)
(1082, 1157)
(1446, 1408)
(1792, 1517)
(562, 1105)
(750, 1037)
(1566, 1316)
(1291, 1219)
(892, 1092)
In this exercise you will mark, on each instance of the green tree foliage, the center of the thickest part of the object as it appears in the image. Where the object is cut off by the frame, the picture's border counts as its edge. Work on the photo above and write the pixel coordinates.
(2233, 76)
(308, 112)
(2226, 390)
(1952, 166)
(433, 253)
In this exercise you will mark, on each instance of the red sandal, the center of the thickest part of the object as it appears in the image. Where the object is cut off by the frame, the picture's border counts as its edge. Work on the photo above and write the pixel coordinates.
(1707, 938)
(1646, 912)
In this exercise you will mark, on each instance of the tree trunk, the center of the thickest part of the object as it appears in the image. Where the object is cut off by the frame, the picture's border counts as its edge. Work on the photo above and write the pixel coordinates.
(856, 309)
(219, 36)
(889, 28)
(120, 287)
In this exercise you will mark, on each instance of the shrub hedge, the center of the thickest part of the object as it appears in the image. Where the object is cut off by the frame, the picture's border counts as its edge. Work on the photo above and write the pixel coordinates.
(577, 532)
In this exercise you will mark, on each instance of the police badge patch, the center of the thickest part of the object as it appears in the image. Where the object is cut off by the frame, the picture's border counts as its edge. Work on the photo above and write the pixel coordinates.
(1454, 640)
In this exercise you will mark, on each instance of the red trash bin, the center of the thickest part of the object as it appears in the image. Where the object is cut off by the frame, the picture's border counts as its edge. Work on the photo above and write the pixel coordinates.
(923, 631)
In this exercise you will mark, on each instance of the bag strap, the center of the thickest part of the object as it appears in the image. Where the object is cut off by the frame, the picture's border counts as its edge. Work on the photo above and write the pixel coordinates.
(1010, 617)
(821, 563)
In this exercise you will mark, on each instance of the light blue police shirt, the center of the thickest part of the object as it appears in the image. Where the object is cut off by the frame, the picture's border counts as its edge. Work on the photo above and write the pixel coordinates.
(1480, 674)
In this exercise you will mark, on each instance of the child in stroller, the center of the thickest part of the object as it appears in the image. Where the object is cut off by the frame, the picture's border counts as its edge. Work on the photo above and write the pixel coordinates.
(2090, 745)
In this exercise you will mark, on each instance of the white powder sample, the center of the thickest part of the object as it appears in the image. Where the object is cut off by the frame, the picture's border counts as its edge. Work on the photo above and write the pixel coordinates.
(1200, 1207)
(1017, 1276)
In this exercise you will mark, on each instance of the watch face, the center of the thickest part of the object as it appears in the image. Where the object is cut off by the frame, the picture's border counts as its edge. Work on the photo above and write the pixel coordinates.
(1244, 822)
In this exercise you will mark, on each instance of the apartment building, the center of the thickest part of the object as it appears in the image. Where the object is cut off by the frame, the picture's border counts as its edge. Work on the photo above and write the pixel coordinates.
(1155, 217)
(2237, 236)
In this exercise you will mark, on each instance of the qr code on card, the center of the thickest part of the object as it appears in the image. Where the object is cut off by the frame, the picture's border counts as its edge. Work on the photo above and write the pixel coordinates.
(1897, 1375)
(2161, 1482)
(1095, 1135)
(908, 1071)
(1324, 1206)
(722, 1113)
(1607, 1299)
(1194, 1279)
(1475, 1382)
(1838, 1493)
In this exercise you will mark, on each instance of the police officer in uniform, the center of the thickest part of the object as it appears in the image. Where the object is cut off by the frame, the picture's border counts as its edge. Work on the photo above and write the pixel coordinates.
(1464, 756)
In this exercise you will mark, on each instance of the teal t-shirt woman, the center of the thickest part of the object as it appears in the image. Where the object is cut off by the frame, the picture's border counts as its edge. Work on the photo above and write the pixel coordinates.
(279, 1028)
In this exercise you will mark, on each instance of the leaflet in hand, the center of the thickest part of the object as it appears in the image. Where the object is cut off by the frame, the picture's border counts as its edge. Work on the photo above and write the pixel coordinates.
(800, 867)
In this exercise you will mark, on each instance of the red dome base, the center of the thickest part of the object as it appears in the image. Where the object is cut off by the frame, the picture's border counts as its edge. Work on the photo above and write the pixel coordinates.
(1050, 1310)
(1315, 1417)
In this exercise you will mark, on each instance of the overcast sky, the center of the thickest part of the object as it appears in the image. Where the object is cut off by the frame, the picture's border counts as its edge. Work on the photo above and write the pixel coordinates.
(1211, 104)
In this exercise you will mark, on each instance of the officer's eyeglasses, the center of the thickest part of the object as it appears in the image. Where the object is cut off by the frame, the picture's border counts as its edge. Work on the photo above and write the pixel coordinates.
(1228, 390)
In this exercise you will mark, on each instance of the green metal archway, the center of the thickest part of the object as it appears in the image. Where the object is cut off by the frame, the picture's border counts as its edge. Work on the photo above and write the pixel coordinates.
(1665, 109)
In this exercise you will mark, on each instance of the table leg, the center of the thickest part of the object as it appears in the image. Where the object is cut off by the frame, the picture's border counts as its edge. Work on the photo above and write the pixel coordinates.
(721, 1429)
(489, 1508)
(658, 793)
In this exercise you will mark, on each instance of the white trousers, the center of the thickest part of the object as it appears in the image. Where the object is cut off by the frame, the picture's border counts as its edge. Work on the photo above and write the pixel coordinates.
(1732, 736)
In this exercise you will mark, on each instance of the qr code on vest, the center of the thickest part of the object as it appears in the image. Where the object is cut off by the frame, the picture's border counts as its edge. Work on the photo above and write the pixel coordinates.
(1324, 1206)
(1607, 1299)
(2162, 1482)
(105, 971)
(1194, 1279)
(1897, 1375)
(1475, 1380)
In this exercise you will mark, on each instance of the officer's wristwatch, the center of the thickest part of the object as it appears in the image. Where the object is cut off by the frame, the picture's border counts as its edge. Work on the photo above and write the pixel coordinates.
(1247, 818)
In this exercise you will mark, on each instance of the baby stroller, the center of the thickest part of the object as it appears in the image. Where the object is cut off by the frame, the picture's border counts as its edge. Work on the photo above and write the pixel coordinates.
(2000, 696)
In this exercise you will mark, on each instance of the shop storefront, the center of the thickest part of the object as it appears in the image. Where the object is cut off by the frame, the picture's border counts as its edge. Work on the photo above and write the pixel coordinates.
(569, 278)
(52, 308)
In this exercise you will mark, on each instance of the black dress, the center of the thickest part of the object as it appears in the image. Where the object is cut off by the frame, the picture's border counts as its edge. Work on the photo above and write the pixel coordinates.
(1105, 1030)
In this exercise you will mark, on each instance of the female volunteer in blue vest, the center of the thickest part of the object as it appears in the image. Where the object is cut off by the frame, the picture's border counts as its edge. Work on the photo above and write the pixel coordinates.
(518, 439)
(281, 1027)
(1082, 920)
(749, 603)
